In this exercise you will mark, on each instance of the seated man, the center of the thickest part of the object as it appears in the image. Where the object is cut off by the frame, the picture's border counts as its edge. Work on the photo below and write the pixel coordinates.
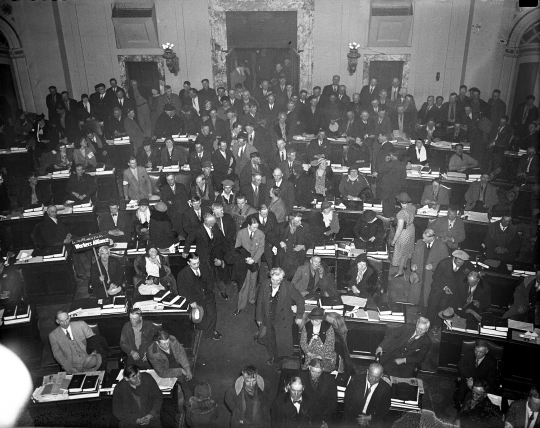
(145, 409)
(68, 344)
(353, 188)
(136, 182)
(404, 347)
(502, 240)
(358, 153)
(529, 166)
(435, 195)
(478, 411)
(367, 399)
(137, 335)
(314, 277)
(475, 364)
(80, 187)
(472, 298)
(521, 410)
(51, 231)
(481, 195)
(33, 193)
(319, 147)
(430, 131)
(168, 123)
(369, 232)
(107, 276)
(526, 305)
(198, 157)
(461, 162)
(456, 134)
(114, 126)
(116, 223)
(450, 229)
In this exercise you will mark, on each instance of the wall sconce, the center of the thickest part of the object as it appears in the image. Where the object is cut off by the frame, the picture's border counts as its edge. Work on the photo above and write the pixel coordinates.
(352, 57)
(170, 58)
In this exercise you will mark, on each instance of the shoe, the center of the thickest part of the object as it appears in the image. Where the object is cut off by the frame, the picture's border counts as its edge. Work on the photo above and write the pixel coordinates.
(237, 312)
(397, 276)
(270, 361)
(217, 336)
(224, 295)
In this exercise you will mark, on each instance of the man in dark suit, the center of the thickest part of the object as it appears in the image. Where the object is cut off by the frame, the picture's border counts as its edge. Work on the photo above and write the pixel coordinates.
(184, 94)
(255, 192)
(288, 165)
(381, 124)
(168, 123)
(86, 111)
(51, 101)
(286, 188)
(529, 166)
(292, 408)
(404, 347)
(112, 92)
(369, 92)
(524, 413)
(269, 226)
(198, 157)
(270, 109)
(225, 227)
(321, 388)
(525, 114)
(319, 147)
(367, 399)
(99, 102)
(193, 217)
(223, 162)
(365, 127)
(496, 107)
(475, 364)
(70, 106)
(196, 283)
(427, 111)
(313, 117)
(217, 127)
(450, 113)
(33, 193)
(125, 104)
(114, 125)
(330, 89)
(403, 122)
(262, 92)
(176, 197)
(501, 135)
(456, 134)
(393, 91)
(80, 187)
(462, 99)
(116, 223)
(342, 97)
(391, 175)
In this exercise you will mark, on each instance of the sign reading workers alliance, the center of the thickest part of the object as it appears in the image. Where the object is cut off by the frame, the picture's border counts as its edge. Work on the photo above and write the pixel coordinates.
(90, 241)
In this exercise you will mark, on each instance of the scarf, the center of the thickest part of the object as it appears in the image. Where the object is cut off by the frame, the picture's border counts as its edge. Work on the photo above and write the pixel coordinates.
(143, 217)
(256, 413)
(327, 218)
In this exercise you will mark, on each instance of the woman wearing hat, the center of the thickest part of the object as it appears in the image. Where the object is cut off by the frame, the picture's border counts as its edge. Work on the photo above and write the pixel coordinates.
(161, 230)
(403, 241)
(352, 188)
(62, 159)
(153, 269)
(317, 341)
(362, 277)
(322, 178)
(141, 220)
(358, 153)
(148, 155)
(324, 224)
(369, 231)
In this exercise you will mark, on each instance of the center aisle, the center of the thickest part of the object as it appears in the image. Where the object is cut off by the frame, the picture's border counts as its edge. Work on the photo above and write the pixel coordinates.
(220, 362)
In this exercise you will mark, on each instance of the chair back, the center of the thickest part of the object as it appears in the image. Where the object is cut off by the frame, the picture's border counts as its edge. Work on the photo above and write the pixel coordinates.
(154, 183)
(94, 327)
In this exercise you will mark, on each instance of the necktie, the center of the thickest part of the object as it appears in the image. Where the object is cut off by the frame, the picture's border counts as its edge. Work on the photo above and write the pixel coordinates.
(297, 401)
(256, 195)
(198, 214)
(101, 97)
(368, 390)
(394, 94)
(451, 113)
(401, 123)
(283, 158)
(531, 419)
(456, 269)
(251, 235)
(348, 126)
(122, 102)
(264, 221)
(250, 138)
(271, 107)
(68, 335)
(371, 89)
(476, 364)
(211, 234)
(197, 273)
(221, 226)
(525, 114)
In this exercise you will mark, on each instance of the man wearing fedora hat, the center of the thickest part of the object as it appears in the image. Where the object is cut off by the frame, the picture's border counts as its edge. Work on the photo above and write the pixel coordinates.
(369, 231)
(449, 274)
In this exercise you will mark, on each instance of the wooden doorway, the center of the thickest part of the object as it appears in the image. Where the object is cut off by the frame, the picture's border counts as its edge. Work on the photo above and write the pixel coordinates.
(385, 71)
(145, 73)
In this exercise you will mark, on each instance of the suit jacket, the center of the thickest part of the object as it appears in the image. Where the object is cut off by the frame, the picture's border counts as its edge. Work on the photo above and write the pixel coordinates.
(113, 275)
(85, 185)
(502, 135)
(408, 125)
(440, 227)
(191, 221)
(24, 198)
(247, 172)
(271, 228)
(534, 169)
(438, 252)
(382, 127)
(61, 348)
(314, 149)
(174, 101)
(427, 113)
(394, 345)
(177, 156)
(285, 415)
(313, 120)
(486, 370)
(208, 249)
(366, 97)
(287, 192)
(128, 104)
(412, 155)
(137, 189)
(240, 218)
(248, 192)
(364, 128)
(136, 136)
(323, 400)
(112, 124)
(167, 126)
(83, 113)
(245, 159)
(195, 163)
(456, 162)
(177, 200)
(50, 234)
(51, 104)
(379, 404)
(517, 415)
(473, 194)
(222, 164)
(123, 223)
(532, 115)
(423, 134)
(127, 338)
(143, 158)
(391, 173)
(100, 106)
(444, 113)
(188, 286)
(444, 275)
(443, 196)
(219, 129)
(508, 239)
(284, 166)
(482, 293)
(301, 278)
(521, 296)
(496, 109)
(228, 234)
(255, 246)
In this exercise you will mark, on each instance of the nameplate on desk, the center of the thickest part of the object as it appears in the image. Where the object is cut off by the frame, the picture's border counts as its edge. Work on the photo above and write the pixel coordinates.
(90, 241)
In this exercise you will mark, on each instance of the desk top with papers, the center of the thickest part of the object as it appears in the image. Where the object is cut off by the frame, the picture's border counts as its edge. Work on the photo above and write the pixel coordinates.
(69, 207)
(53, 254)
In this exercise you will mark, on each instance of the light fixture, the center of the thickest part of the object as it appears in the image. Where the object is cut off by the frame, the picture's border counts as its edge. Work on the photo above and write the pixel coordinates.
(170, 58)
(352, 57)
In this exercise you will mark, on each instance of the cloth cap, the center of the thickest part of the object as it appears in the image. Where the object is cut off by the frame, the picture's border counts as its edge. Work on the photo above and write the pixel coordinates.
(227, 183)
(207, 164)
(316, 314)
(255, 155)
(403, 197)
(154, 198)
(169, 107)
(325, 205)
(460, 254)
(361, 258)
(144, 201)
(161, 207)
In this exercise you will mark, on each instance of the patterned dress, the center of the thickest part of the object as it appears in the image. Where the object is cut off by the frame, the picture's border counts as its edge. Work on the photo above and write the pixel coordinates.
(316, 346)
(404, 247)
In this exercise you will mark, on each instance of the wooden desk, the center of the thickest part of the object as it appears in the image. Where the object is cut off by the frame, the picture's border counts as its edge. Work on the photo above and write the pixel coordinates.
(18, 164)
(48, 279)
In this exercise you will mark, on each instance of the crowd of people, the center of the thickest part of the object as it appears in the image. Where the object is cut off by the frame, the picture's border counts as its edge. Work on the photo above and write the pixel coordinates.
(237, 210)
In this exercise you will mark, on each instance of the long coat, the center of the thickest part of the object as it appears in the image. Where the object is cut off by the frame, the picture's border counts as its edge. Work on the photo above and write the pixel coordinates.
(283, 324)
(439, 251)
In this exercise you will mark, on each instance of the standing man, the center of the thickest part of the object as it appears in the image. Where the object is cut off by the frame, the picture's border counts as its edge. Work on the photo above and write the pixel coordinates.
(525, 114)
(133, 130)
(140, 95)
(252, 239)
(136, 182)
(390, 177)
(367, 399)
(68, 344)
(196, 283)
(450, 229)
(292, 409)
(524, 413)
(502, 240)
(369, 93)
(169, 98)
(496, 106)
(274, 315)
(51, 100)
(428, 252)
(137, 335)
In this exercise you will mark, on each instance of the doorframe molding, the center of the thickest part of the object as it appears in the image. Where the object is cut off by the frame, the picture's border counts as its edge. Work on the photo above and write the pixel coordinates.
(405, 58)
(122, 59)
